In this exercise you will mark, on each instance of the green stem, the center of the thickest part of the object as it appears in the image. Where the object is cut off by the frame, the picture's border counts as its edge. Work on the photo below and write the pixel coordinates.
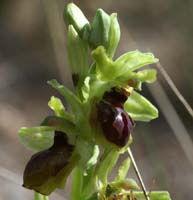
(38, 196)
(76, 186)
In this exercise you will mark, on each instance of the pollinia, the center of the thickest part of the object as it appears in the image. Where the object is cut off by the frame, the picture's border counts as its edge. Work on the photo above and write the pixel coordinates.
(87, 138)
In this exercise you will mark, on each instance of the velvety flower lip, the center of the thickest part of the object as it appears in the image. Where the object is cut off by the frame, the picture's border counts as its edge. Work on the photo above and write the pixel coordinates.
(45, 165)
(116, 96)
(115, 122)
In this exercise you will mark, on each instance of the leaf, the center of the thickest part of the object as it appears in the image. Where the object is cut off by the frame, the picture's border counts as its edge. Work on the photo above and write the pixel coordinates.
(139, 108)
(123, 169)
(37, 138)
(134, 60)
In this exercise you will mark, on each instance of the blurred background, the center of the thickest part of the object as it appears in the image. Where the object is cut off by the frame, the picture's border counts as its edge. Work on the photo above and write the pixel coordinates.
(32, 51)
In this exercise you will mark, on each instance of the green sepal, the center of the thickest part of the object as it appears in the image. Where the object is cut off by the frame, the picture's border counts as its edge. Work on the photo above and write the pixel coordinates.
(70, 97)
(134, 60)
(74, 16)
(139, 108)
(99, 34)
(123, 170)
(37, 138)
(114, 35)
(60, 124)
(77, 50)
(105, 67)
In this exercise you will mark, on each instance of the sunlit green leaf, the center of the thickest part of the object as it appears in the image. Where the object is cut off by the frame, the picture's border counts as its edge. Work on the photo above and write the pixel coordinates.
(139, 108)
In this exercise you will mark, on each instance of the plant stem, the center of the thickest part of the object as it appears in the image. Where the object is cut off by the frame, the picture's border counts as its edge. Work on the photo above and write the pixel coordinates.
(38, 196)
(76, 186)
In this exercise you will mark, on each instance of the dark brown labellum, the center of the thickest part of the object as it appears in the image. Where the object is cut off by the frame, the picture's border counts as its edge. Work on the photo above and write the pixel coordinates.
(116, 96)
(115, 122)
(45, 166)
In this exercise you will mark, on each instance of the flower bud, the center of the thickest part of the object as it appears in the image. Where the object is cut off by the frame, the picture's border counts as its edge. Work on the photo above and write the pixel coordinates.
(114, 35)
(74, 16)
(100, 27)
(78, 55)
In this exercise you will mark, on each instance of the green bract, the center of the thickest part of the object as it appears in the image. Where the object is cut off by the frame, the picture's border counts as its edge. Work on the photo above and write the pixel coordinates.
(88, 137)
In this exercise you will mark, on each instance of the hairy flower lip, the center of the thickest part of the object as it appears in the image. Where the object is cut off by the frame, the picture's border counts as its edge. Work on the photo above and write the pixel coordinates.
(116, 96)
(46, 165)
(116, 124)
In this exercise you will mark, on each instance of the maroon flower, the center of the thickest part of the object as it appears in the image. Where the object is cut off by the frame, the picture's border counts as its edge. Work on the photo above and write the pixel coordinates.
(47, 169)
(115, 122)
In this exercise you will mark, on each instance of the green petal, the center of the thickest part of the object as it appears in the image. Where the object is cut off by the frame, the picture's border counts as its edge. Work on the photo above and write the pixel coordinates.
(134, 60)
(37, 138)
(139, 108)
